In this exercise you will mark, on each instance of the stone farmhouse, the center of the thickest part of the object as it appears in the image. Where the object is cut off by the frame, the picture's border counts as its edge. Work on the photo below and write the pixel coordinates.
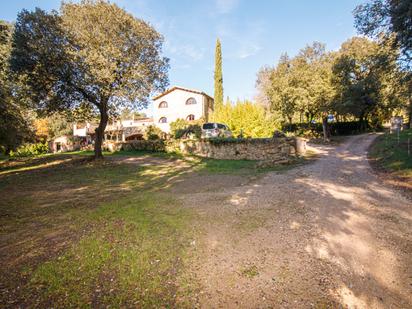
(118, 130)
(180, 103)
(175, 103)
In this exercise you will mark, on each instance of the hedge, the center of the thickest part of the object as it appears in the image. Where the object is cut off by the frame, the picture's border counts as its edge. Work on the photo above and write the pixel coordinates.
(336, 128)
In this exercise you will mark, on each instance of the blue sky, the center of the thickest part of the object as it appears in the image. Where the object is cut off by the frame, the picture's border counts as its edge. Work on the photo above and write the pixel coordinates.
(253, 34)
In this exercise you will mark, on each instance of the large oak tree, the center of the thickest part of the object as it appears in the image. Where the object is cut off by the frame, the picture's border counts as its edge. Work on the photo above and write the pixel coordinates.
(92, 53)
(390, 19)
(14, 125)
(387, 17)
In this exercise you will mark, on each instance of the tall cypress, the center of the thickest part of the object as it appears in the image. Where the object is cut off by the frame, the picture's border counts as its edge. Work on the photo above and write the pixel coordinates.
(218, 95)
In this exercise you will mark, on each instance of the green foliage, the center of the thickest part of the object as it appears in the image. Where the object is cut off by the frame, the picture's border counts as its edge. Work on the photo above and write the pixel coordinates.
(59, 125)
(301, 85)
(14, 121)
(392, 153)
(391, 18)
(93, 52)
(336, 128)
(29, 150)
(177, 127)
(246, 119)
(182, 128)
(218, 77)
(128, 113)
(362, 80)
(365, 76)
(152, 132)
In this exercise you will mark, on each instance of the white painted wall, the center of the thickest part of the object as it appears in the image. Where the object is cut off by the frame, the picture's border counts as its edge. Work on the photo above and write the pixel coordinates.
(177, 107)
(80, 131)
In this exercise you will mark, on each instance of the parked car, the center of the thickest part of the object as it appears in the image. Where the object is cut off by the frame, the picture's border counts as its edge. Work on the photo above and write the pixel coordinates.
(213, 129)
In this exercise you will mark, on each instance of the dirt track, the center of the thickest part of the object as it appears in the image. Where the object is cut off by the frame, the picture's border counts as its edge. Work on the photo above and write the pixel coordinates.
(321, 235)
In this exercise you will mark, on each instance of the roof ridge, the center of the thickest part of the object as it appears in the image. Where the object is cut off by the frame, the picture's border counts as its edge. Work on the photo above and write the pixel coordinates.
(167, 91)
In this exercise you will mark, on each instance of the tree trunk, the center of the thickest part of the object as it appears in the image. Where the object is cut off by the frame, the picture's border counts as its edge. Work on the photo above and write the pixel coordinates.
(362, 123)
(290, 123)
(409, 125)
(325, 127)
(104, 117)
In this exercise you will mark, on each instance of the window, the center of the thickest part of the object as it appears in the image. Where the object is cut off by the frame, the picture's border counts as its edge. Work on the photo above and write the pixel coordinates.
(208, 126)
(221, 126)
(163, 104)
(191, 117)
(163, 120)
(190, 101)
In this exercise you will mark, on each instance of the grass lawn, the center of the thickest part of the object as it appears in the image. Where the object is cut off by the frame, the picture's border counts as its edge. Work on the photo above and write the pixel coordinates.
(392, 154)
(78, 233)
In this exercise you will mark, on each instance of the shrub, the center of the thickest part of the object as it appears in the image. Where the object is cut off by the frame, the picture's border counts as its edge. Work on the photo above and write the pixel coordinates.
(183, 129)
(246, 119)
(153, 132)
(336, 128)
(29, 150)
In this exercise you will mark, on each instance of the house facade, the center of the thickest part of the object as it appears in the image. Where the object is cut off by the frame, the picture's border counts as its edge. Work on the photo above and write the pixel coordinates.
(118, 130)
(180, 103)
(175, 103)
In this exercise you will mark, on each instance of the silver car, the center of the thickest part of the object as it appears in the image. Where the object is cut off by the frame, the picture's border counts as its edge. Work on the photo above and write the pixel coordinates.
(213, 129)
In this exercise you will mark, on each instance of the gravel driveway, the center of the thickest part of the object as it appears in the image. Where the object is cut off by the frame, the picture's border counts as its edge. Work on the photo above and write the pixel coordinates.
(321, 235)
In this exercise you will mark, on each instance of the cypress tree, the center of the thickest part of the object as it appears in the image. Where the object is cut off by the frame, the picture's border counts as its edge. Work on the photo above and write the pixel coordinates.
(218, 95)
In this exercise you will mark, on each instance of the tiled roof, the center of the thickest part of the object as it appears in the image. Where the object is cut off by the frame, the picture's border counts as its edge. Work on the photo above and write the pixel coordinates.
(181, 88)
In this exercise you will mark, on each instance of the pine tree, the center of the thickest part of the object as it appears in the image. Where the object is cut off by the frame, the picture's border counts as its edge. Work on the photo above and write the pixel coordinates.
(218, 95)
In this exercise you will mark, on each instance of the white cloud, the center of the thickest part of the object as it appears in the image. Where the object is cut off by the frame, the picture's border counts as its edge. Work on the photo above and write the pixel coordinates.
(241, 40)
(248, 50)
(185, 50)
(225, 6)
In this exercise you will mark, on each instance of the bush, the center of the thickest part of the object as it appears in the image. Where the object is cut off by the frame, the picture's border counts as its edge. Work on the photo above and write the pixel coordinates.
(349, 128)
(29, 150)
(336, 128)
(153, 133)
(183, 129)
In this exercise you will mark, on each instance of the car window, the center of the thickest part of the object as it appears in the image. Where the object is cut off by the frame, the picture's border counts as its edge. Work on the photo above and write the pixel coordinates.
(221, 126)
(208, 126)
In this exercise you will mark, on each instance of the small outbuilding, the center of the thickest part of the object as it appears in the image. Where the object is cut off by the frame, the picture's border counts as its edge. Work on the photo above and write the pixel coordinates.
(64, 143)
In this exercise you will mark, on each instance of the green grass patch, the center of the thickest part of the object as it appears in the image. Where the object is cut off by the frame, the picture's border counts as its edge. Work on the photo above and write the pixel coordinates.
(133, 257)
(250, 271)
(391, 152)
(127, 240)
(225, 166)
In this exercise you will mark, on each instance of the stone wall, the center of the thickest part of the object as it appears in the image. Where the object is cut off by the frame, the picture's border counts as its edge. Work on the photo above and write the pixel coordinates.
(279, 149)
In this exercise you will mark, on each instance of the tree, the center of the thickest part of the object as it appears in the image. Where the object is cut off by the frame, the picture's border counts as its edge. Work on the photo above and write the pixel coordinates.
(388, 17)
(393, 20)
(14, 124)
(366, 78)
(283, 95)
(127, 114)
(59, 125)
(92, 53)
(262, 86)
(41, 126)
(218, 95)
